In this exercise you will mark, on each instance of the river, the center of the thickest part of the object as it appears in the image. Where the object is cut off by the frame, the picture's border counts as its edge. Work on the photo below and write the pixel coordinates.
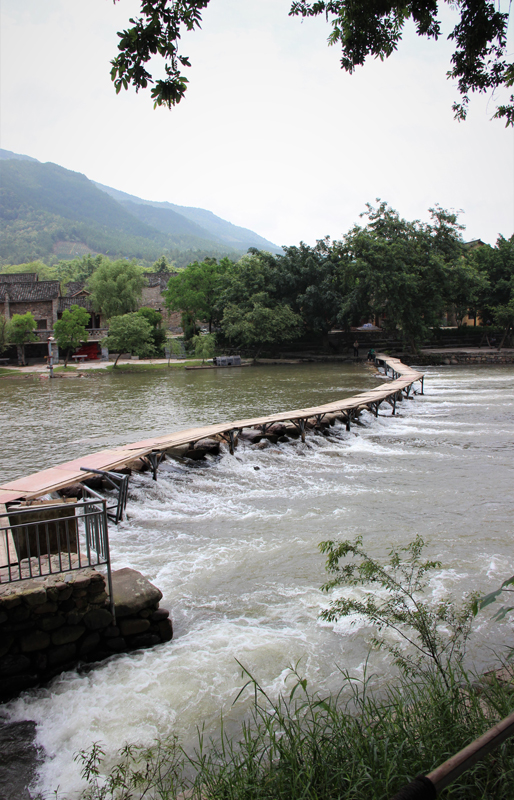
(232, 542)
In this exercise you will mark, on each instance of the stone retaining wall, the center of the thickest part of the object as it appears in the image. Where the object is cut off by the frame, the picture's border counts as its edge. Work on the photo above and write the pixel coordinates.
(475, 358)
(51, 624)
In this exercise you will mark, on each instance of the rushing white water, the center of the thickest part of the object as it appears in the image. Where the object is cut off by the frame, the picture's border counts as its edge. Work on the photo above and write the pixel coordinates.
(232, 543)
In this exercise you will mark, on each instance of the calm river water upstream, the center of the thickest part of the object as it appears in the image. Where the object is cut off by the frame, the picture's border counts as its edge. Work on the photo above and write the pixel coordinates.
(234, 548)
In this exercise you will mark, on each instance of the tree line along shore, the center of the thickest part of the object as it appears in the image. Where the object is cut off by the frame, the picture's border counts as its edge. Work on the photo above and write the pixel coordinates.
(413, 284)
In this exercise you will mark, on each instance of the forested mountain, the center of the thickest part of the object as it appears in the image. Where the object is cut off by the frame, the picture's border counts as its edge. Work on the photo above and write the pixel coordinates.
(48, 212)
(232, 235)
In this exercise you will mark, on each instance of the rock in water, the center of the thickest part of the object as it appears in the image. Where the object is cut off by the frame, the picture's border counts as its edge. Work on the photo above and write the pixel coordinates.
(19, 758)
(132, 592)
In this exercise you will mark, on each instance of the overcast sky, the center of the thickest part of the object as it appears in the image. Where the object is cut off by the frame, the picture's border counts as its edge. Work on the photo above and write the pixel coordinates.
(272, 135)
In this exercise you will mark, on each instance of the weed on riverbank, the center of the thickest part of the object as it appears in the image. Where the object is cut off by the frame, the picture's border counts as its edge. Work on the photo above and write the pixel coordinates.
(138, 367)
(358, 745)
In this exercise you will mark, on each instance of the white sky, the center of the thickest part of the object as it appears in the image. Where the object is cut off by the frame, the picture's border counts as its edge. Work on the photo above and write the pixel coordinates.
(272, 135)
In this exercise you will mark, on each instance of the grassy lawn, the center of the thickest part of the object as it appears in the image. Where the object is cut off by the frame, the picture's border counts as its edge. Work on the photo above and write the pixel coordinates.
(65, 369)
(138, 367)
(5, 371)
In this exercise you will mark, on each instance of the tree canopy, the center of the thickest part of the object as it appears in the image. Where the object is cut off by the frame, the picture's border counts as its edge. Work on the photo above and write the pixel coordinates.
(195, 292)
(21, 332)
(409, 273)
(116, 287)
(361, 27)
(495, 300)
(70, 330)
(154, 319)
(130, 333)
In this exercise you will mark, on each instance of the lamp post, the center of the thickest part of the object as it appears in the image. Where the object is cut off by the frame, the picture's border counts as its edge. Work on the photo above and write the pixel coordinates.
(50, 364)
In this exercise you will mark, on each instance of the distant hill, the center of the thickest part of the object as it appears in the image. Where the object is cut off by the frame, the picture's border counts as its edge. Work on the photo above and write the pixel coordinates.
(233, 235)
(48, 212)
(6, 154)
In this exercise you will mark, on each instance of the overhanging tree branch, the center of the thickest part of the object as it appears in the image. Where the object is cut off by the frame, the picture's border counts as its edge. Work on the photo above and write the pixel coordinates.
(362, 27)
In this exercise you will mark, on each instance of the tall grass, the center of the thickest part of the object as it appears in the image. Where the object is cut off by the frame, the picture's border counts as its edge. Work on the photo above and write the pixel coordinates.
(358, 745)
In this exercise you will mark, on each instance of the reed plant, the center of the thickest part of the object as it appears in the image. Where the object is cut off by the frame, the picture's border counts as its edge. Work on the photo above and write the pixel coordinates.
(358, 745)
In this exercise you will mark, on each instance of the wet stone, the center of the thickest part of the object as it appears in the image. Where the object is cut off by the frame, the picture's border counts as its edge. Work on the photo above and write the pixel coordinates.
(41, 661)
(19, 758)
(51, 623)
(19, 626)
(97, 618)
(145, 640)
(165, 630)
(67, 634)
(37, 640)
(19, 614)
(98, 599)
(5, 644)
(159, 615)
(74, 617)
(133, 592)
(59, 655)
(14, 665)
(111, 633)
(130, 627)
(117, 645)
(46, 608)
(96, 588)
(89, 643)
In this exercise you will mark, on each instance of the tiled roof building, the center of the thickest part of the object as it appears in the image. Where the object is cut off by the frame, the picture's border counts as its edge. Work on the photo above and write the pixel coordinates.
(18, 277)
(25, 292)
(75, 287)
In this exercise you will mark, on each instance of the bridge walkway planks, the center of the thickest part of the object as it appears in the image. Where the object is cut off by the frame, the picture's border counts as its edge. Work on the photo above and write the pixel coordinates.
(62, 475)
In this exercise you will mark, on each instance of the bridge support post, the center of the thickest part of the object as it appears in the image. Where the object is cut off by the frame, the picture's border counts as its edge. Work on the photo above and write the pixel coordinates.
(301, 425)
(154, 458)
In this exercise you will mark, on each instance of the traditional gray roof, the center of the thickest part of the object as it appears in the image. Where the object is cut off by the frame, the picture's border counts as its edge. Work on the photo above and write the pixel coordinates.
(29, 292)
(74, 287)
(158, 279)
(18, 277)
(69, 302)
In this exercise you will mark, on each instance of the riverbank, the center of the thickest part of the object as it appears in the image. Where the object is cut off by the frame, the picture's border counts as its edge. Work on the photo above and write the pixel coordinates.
(430, 356)
(98, 367)
(364, 743)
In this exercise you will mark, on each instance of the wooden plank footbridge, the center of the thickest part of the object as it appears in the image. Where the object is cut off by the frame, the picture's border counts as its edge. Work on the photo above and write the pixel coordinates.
(80, 469)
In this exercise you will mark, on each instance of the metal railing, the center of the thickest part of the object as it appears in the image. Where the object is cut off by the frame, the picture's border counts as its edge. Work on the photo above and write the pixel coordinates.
(48, 538)
(117, 483)
(93, 333)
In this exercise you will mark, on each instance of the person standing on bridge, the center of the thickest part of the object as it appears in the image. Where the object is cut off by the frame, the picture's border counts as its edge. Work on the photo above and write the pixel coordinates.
(356, 349)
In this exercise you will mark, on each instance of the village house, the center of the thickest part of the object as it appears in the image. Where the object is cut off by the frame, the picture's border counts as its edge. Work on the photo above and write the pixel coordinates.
(23, 292)
(153, 297)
